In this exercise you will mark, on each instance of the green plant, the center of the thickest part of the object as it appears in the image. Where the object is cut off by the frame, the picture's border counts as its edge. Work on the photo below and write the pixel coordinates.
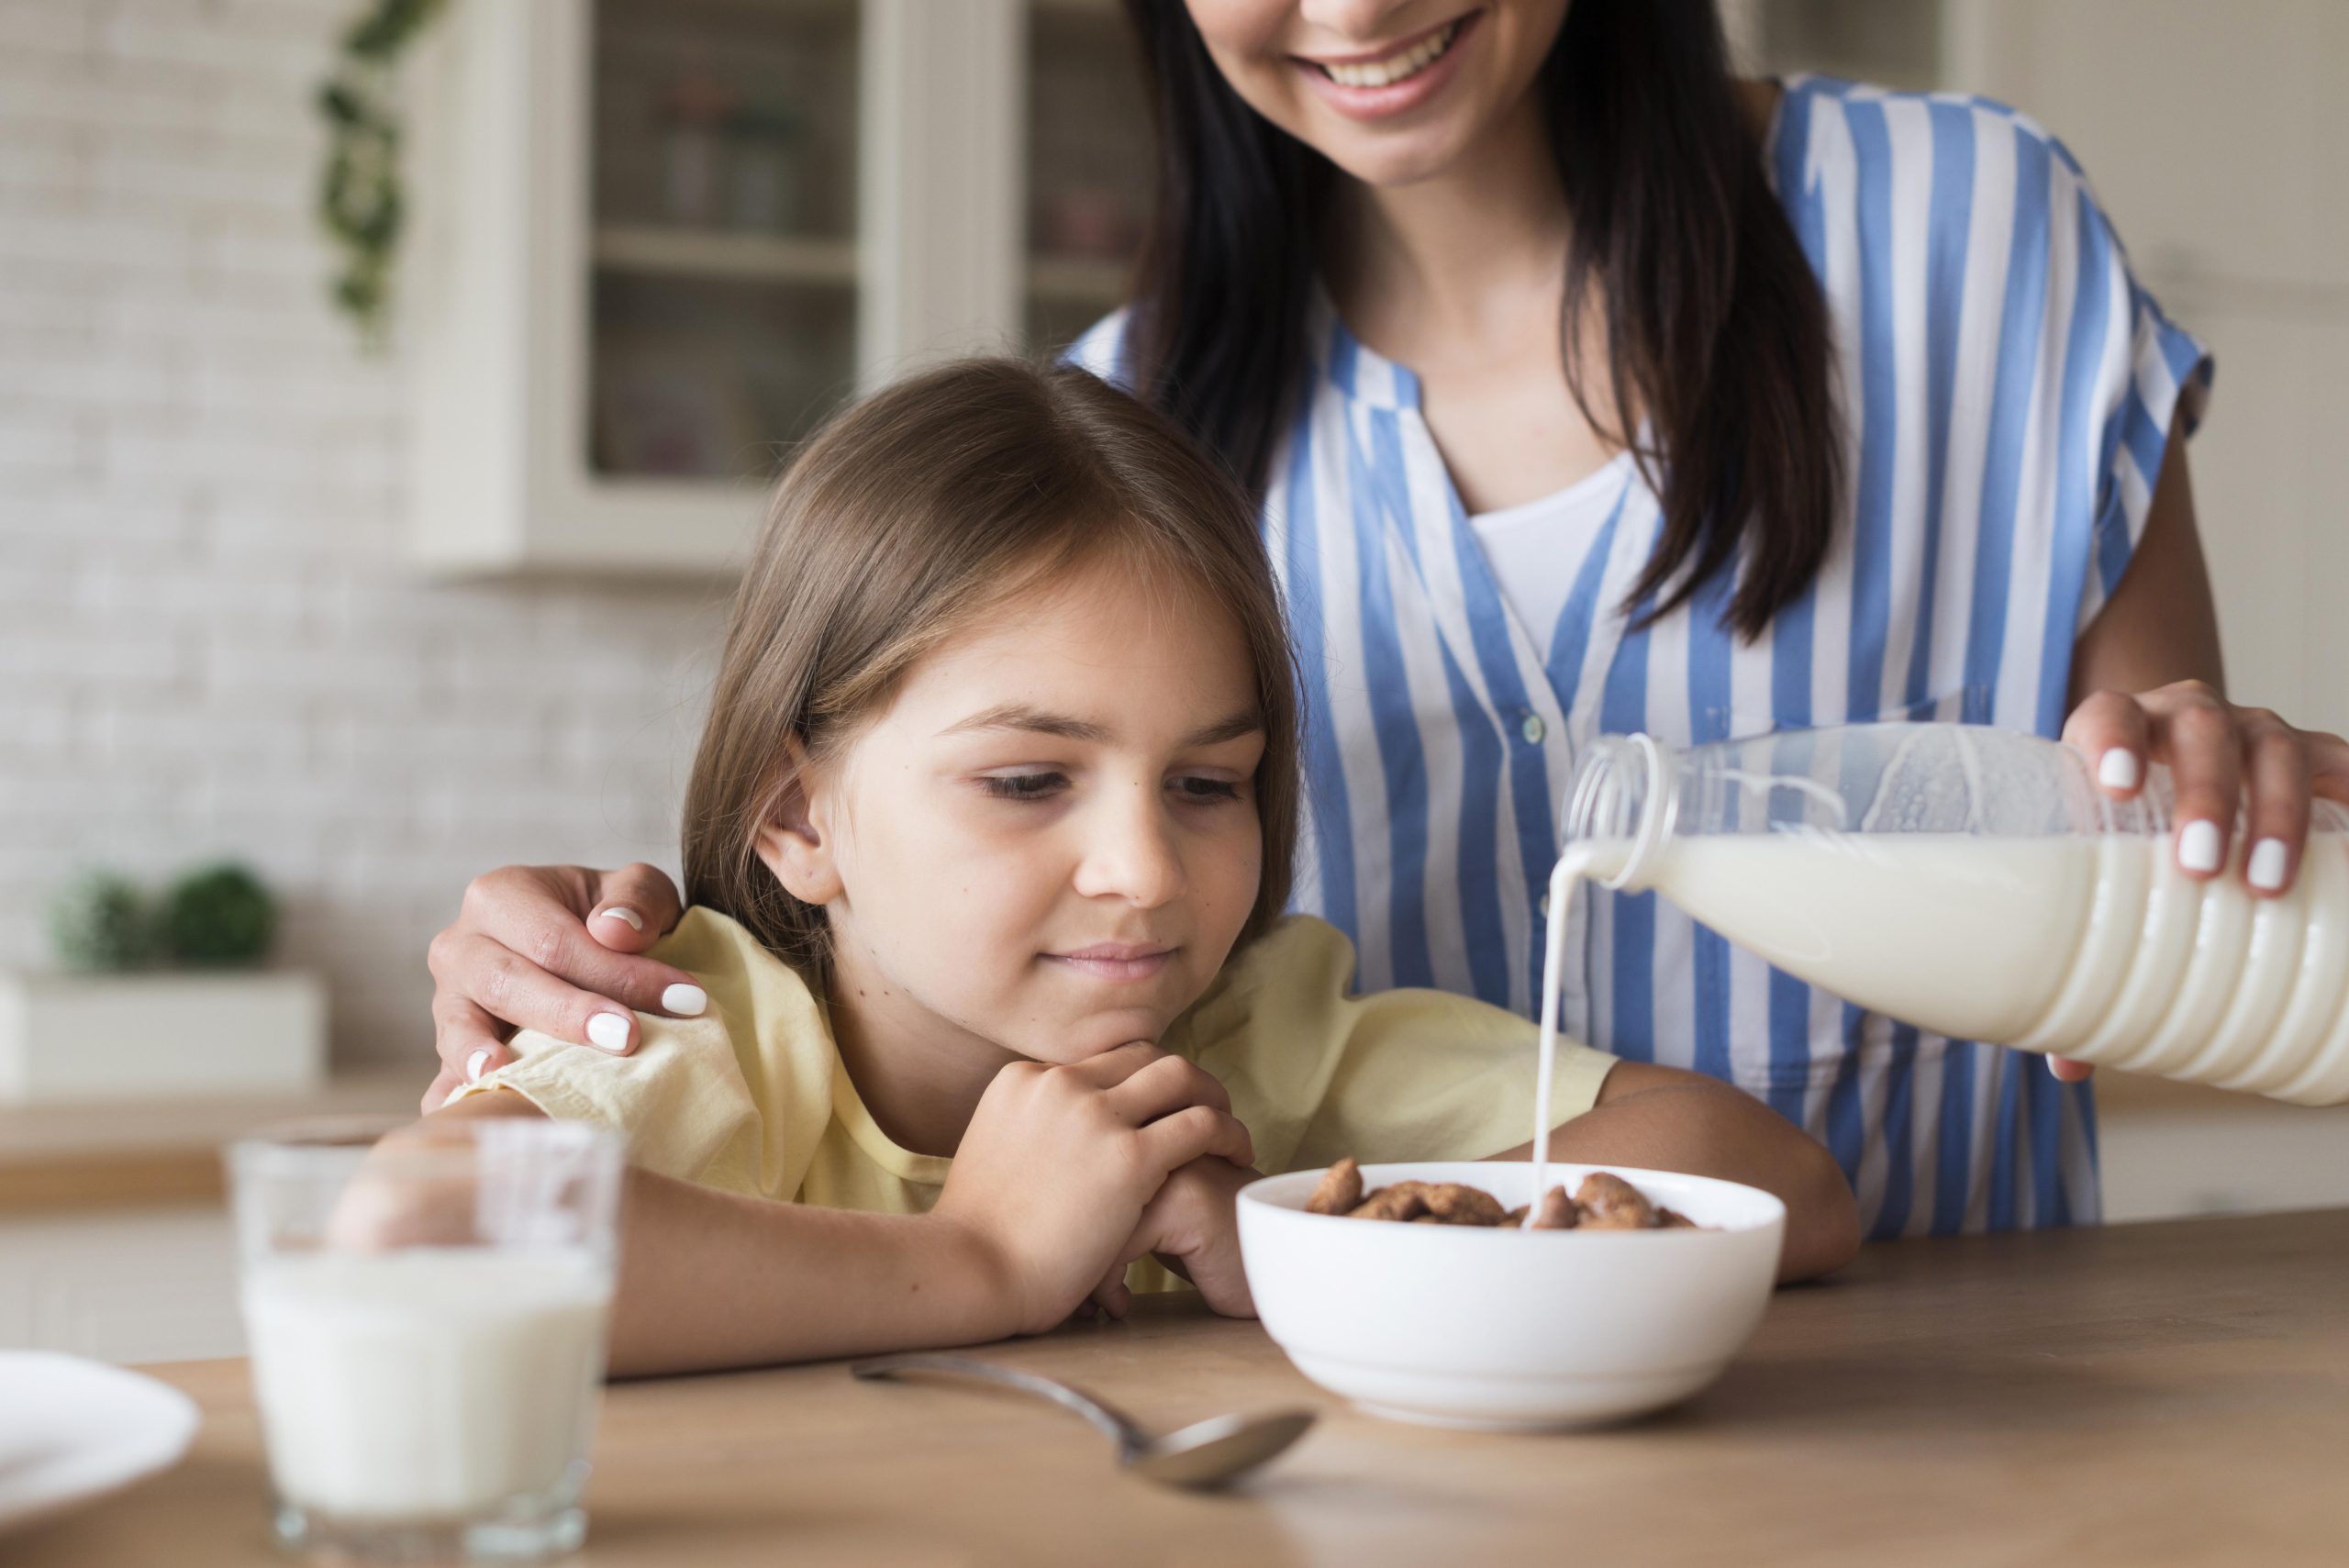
(361, 199)
(218, 917)
(100, 921)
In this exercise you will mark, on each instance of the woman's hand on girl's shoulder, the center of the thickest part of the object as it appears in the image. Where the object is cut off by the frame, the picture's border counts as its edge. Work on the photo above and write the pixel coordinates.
(553, 949)
(2222, 756)
(1059, 1163)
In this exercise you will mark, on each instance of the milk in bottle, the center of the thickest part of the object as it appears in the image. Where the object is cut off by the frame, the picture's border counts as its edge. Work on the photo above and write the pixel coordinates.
(1975, 883)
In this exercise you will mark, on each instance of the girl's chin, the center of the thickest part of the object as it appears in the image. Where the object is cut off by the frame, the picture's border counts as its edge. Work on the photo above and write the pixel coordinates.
(1097, 1035)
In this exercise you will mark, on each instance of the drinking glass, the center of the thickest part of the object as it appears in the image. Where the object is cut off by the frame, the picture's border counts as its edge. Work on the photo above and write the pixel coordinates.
(427, 1314)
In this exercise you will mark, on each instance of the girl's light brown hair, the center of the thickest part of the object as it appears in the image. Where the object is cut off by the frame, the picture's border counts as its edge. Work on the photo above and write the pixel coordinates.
(911, 514)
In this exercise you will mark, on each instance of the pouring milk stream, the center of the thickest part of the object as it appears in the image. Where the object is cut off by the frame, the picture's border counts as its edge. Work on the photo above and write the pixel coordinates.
(1975, 883)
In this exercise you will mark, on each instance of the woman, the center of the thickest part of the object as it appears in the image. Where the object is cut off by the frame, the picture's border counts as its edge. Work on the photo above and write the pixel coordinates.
(1730, 406)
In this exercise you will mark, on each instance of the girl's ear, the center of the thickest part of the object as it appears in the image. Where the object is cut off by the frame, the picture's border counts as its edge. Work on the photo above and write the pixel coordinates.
(790, 842)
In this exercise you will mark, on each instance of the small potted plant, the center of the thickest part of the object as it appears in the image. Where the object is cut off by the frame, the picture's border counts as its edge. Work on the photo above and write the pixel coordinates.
(161, 996)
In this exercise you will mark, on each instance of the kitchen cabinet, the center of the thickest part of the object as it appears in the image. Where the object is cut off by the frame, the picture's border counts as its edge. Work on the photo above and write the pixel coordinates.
(658, 240)
(133, 1285)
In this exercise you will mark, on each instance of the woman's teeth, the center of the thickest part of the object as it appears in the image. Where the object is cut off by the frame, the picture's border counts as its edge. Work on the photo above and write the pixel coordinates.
(1394, 67)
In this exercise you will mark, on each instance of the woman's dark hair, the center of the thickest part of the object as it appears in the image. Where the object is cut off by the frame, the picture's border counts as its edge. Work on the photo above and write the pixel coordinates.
(1716, 333)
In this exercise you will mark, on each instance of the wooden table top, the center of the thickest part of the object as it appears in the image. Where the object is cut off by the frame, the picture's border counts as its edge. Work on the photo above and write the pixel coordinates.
(2150, 1393)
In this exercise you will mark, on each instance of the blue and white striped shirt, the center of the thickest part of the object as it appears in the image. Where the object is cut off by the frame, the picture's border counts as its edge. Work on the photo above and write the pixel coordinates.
(2008, 390)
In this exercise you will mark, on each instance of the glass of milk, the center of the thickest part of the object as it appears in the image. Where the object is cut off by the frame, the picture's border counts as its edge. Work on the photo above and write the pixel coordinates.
(427, 1316)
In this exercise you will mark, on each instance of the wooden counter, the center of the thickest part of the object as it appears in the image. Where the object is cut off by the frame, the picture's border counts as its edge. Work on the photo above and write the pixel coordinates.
(158, 1153)
(2152, 1394)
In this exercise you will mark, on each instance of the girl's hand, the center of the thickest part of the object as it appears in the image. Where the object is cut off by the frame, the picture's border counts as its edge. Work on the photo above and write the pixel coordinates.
(1059, 1163)
(551, 949)
(1193, 1227)
(2221, 756)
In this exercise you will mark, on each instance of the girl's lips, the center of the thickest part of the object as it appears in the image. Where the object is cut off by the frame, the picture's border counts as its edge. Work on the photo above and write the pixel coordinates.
(1395, 97)
(1115, 962)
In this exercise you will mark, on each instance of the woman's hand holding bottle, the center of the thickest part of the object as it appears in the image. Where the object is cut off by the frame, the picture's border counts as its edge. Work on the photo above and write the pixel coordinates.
(2222, 757)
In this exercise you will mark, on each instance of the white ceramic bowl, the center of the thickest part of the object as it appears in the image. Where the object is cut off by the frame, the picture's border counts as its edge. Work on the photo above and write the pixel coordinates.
(1511, 1329)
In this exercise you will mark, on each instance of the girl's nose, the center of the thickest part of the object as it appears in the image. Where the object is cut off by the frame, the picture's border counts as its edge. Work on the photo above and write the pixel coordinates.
(1130, 852)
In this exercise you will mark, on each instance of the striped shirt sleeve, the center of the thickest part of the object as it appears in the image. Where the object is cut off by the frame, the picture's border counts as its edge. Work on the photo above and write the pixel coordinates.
(2132, 375)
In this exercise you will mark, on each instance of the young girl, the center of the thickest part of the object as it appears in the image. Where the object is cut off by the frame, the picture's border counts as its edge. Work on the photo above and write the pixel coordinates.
(987, 844)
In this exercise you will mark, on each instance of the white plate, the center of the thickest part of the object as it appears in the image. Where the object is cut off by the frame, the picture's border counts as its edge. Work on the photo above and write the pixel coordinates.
(72, 1430)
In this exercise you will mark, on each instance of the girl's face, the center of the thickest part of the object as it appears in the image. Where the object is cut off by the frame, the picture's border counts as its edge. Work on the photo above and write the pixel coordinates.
(1390, 91)
(1049, 840)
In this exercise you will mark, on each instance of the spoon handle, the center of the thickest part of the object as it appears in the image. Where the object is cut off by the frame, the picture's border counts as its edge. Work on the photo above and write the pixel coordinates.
(1131, 1438)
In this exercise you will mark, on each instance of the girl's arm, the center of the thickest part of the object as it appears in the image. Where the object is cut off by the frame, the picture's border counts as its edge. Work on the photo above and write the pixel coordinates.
(1051, 1179)
(713, 1279)
(1665, 1119)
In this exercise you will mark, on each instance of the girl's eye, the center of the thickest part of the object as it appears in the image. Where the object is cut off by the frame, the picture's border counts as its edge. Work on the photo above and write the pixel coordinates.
(1022, 787)
(1207, 789)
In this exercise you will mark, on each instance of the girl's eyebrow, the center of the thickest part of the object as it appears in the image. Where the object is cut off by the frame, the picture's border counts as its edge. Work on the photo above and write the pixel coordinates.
(1037, 722)
(1246, 721)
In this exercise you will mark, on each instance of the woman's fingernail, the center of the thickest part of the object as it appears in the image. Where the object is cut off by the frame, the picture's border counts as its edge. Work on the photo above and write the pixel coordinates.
(474, 1063)
(2118, 769)
(2198, 846)
(686, 1001)
(2267, 860)
(622, 912)
(608, 1031)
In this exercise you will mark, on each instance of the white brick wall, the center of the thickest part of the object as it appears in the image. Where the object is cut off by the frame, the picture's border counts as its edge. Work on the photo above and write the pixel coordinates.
(211, 643)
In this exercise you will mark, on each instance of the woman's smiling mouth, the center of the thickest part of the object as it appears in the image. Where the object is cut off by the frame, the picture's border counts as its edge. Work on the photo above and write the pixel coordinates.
(1397, 64)
(1394, 79)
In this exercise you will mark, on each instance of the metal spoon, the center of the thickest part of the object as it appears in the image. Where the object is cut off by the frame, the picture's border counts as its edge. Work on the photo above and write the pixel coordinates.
(1205, 1453)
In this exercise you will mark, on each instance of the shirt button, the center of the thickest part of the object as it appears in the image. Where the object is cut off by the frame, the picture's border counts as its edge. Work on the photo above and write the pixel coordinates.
(1533, 729)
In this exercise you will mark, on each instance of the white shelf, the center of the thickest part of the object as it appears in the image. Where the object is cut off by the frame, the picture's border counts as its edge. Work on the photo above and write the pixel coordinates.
(1078, 278)
(716, 253)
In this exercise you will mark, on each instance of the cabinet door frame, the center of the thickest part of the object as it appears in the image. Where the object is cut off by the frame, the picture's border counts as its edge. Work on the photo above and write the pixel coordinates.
(497, 287)
(942, 188)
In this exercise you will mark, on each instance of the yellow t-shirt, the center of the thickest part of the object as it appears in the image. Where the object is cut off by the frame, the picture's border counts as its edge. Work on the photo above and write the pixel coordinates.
(751, 1097)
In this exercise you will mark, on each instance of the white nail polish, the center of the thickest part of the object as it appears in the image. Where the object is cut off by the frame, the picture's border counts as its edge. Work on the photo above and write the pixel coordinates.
(622, 912)
(2198, 846)
(2269, 858)
(685, 1001)
(474, 1063)
(608, 1031)
(2118, 769)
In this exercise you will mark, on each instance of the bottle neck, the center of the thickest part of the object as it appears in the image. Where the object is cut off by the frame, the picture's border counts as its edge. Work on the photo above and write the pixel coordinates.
(1621, 808)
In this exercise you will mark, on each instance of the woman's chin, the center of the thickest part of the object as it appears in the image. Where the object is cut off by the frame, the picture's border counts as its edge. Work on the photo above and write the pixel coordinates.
(1392, 157)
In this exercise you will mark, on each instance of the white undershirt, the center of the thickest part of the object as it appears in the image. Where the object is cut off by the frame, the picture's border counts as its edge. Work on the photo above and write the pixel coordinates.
(1535, 549)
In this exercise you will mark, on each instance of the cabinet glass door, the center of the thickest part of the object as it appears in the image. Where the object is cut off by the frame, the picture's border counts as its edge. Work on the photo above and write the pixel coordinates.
(723, 228)
(1089, 165)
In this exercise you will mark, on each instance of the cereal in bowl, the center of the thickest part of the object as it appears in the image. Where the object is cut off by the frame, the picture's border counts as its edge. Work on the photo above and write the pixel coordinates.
(1604, 1202)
